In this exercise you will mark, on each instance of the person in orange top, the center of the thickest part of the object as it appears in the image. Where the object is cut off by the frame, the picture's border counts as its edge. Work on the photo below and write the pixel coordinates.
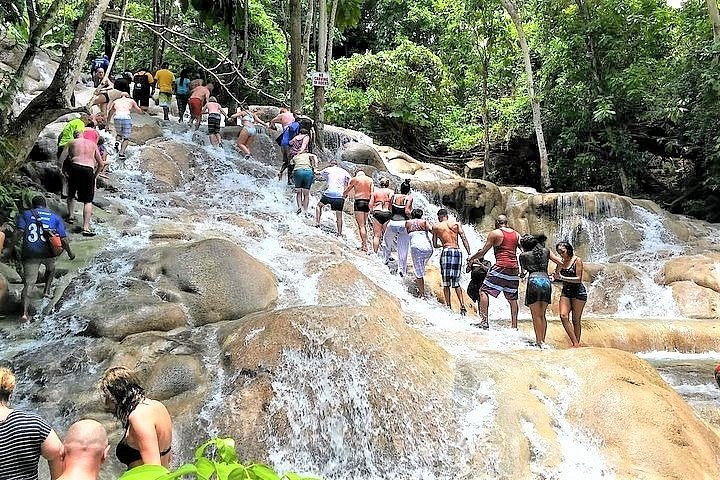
(199, 96)
(165, 79)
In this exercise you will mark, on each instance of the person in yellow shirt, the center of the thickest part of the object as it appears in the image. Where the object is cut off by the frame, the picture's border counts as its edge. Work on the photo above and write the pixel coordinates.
(165, 80)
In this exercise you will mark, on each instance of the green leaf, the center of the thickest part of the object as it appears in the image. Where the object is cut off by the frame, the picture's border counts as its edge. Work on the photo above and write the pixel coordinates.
(263, 472)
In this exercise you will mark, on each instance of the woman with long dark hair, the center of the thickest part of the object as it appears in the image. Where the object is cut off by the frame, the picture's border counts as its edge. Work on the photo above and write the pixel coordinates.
(182, 92)
(574, 294)
(146, 422)
(534, 261)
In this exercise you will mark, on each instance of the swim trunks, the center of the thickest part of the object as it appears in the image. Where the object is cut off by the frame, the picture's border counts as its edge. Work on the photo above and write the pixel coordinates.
(164, 99)
(81, 180)
(195, 105)
(382, 216)
(304, 178)
(539, 288)
(213, 123)
(336, 204)
(123, 126)
(502, 279)
(451, 267)
(251, 131)
(362, 205)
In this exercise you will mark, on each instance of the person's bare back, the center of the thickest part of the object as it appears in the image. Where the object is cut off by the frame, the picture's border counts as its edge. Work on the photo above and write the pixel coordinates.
(447, 232)
(362, 185)
(201, 92)
(123, 106)
(84, 152)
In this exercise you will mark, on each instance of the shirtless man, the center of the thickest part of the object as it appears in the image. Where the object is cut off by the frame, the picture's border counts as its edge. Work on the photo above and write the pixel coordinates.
(199, 96)
(120, 109)
(445, 235)
(504, 275)
(85, 163)
(363, 187)
(84, 450)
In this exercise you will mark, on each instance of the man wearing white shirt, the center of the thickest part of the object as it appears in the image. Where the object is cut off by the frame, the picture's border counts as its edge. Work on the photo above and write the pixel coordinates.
(337, 179)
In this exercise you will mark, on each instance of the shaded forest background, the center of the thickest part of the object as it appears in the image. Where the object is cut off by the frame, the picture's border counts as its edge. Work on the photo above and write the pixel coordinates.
(628, 89)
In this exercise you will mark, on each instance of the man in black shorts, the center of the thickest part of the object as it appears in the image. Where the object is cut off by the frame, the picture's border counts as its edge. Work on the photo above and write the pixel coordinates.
(85, 162)
(363, 187)
(337, 179)
(142, 88)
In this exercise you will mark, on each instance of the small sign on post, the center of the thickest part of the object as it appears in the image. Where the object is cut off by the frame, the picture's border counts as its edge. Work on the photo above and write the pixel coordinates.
(321, 79)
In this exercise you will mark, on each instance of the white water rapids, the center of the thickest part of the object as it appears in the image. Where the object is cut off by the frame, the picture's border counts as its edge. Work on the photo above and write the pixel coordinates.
(323, 396)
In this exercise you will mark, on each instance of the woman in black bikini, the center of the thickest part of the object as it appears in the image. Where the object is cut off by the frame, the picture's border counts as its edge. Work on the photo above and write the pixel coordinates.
(147, 423)
(381, 214)
(574, 295)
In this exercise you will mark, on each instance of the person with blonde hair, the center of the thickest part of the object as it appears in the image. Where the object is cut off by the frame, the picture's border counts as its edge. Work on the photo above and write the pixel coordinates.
(147, 425)
(85, 450)
(23, 438)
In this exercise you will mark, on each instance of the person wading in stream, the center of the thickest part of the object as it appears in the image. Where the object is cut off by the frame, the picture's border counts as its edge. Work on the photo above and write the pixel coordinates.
(574, 295)
(165, 80)
(362, 185)
(34, 223)
(445, 235)
(504, 275)
(119, 112)
(337, 179)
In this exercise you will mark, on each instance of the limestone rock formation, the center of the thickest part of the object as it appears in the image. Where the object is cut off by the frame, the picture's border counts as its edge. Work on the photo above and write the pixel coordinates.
(696, 301)
(700, 269)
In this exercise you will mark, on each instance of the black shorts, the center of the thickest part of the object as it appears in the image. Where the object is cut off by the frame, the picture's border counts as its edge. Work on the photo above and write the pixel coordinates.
(213, 123)
(575, 291)
(107, 97)
(382, 216)
(336, 204)
(142, 97)
(539, 289)
(362, 206)
(81, 180)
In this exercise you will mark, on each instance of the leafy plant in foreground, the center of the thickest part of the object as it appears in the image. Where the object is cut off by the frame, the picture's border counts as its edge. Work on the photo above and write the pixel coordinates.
(217, 459)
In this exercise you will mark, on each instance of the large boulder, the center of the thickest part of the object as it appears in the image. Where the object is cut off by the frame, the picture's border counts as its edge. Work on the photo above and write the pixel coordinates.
(701, 269)
(362, 154)
(170, 163)
(477, 201)
(145, 127)
(696, 301)
(215, 279)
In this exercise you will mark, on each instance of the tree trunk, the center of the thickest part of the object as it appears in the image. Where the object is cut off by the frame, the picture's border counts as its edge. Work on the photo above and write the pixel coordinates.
(156, 37)
(36, 35)
(331, 33)
(542, 149)
(487, 168)
(714, 18)
(55, 100)
(590, 45)
(233, 44)
(320, 56)
(297, 72)
(246, 32)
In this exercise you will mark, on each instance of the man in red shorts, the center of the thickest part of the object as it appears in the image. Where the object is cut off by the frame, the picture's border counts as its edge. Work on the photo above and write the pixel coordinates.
(198, 98)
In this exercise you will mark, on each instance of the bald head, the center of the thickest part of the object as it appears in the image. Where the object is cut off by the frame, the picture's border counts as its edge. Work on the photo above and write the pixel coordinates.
(501, 221)
(86, 437)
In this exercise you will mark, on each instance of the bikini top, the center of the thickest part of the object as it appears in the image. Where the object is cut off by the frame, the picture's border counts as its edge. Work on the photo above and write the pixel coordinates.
(127, 454)
(570, 271)
(398, 209)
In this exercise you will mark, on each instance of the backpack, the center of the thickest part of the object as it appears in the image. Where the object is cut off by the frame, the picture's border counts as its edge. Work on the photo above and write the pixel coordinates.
(141, 82)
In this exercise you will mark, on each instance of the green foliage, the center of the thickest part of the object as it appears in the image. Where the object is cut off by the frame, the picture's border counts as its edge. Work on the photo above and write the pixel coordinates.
(217, 459)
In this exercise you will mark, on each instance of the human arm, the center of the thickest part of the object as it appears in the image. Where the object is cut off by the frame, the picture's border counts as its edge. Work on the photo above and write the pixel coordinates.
(489, 243)
(135, 107)
(435, 243)
(66, 246)
(555, 258)
(146, 438)
(257, 120)
(408, 207)
(464, 239)
(522, 260)
(350, 187)
(100, 161)
(52, 449)
(578, 272)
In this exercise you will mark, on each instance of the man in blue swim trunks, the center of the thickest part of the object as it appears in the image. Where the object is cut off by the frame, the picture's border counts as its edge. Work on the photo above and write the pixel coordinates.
(121, 109)
(445, 235)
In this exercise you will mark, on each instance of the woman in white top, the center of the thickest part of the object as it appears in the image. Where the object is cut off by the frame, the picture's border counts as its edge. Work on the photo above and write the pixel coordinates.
(421, 247)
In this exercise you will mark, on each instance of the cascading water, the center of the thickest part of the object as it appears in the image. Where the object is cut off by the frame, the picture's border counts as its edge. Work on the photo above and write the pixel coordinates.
(325, 397)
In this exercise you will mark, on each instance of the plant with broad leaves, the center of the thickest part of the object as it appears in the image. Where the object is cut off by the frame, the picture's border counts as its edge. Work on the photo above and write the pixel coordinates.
(217, 459)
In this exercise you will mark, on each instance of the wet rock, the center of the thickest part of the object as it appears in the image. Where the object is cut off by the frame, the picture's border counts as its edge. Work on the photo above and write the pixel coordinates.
(433, 286)
(45, 149)
(696, 301)
(215, 278)
(609, 282)
(474, 169)
(399, 162)
(170, 163)
(145, 127)
(700, 269)
(362, 154)
(477, 201)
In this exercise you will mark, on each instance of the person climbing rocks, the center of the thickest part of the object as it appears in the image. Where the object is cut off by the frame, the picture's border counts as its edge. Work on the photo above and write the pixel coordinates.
(421, 247)
(35, 251)
(445, 234)
(381, 214)
(478, 271)
(119, 111)
(182, 92)
(574, 295)
(249, 130)
(504, 275)
(290, 128)
(99, 62)
(143, 82)
(215, 113)
(337, 179)
(68, 133)
(534, 261)
(199, 96)
(165, 80)
(362, 186)
(304, 171)
(401, 207)
(82, 170)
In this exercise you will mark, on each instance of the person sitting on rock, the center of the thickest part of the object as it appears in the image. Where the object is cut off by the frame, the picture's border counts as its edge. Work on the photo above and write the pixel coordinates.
(147, 425)
(85, 449)
(35, 251)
